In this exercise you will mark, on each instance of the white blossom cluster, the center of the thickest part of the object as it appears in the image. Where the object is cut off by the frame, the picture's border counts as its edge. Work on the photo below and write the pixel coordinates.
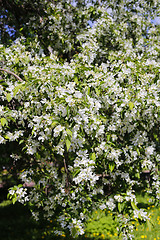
(20, 194)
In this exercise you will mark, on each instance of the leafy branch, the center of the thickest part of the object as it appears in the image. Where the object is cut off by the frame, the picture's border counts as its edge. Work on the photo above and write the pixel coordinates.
(9, 72)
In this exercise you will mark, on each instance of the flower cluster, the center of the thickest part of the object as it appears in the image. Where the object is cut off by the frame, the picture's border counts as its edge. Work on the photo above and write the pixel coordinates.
(85, 131)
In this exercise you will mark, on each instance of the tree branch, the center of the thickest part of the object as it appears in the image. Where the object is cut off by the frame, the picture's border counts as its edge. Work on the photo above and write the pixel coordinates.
(65, 160)
(15, 75)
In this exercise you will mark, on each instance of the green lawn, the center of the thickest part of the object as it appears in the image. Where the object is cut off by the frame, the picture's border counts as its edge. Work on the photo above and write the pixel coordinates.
(101, 224)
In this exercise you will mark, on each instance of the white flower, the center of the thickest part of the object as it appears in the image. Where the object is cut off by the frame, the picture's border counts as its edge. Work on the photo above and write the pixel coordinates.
(103, 206)
(78, 94)
(100, 130)
(141, 213)
(57, 130)
(31, 150)
(2, 140)
(111, 204)
(11, 192)
(149, 150)
(70, 100)
(118, 198)
(1, 110)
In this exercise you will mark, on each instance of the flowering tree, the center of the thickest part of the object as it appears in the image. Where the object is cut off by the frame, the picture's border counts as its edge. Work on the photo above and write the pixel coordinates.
(84, 126)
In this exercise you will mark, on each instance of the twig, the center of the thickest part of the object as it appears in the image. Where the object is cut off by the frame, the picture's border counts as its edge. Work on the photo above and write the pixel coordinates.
(15, 75)
(66, 170)
(65, 166)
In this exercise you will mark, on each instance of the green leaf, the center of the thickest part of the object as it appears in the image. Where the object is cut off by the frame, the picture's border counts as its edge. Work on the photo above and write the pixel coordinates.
(16, 90)
(76, 173)
(119, 207)
(97, 91)
(18, 87)
(108, 138)
(68, 144)
(137, 175)
(93, 156)
(69, 132)
(8, 96)
(155, 136)
(21, 141)
(54, 123)
(3, 83)
(76, 80)
(131, 105)
(111, 166)
(81, 128)
(134, 206)
(33, 131)
(74, 232)
(9, 196)
(138, 152)
(62, 170)
(4, 122)
(6, 137)
(140, 217)
(88, 91)
(11, 118)
(14, 200)
(89, 199)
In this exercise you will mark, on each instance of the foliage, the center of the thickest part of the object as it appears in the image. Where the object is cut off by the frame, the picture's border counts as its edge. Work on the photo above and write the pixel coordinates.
(56, 23)
(84, 128)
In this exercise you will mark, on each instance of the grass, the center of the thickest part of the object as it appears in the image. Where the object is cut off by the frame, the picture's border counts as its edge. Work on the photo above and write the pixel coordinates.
(102, 226)
(149, 230)
(16, 224)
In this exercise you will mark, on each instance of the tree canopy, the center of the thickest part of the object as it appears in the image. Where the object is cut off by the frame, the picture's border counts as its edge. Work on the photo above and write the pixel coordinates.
(57, 24)
(80, 107)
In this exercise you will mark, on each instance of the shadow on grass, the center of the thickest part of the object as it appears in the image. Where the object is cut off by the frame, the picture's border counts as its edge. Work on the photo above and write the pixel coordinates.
(143, 205)
(16, 223)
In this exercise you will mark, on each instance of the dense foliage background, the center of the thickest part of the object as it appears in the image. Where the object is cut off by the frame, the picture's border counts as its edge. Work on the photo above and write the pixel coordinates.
(79, 108)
